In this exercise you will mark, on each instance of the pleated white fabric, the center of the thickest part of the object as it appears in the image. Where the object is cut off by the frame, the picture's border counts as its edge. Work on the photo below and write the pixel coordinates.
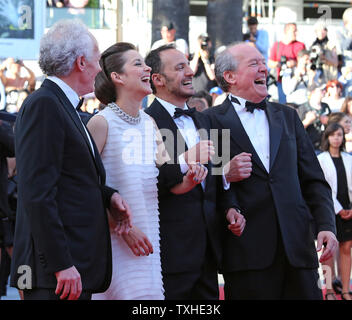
(129, 161)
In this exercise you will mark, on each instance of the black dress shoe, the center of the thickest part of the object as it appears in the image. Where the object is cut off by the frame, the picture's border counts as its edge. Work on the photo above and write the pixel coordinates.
(337, 286)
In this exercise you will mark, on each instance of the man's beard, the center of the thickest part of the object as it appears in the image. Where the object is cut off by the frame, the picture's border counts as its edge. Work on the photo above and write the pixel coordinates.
(177, 91)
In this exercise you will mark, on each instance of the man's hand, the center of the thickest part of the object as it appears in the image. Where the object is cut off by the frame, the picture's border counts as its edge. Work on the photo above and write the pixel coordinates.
(201, 152)
(204, 55)
(239, 167)
(69, 283)
(236, 220)
(345, 214)
(309, 118)
(138, 242)
(121, 214)
(290, 63)
(328, 239)
(252, 38)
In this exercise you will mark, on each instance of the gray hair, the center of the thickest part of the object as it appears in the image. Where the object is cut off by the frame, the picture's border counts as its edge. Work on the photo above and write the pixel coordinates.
(347, 15)
(62, 45)
(225, 61)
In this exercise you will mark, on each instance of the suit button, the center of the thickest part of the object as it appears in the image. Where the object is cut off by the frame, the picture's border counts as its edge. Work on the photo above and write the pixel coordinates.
(271, 180)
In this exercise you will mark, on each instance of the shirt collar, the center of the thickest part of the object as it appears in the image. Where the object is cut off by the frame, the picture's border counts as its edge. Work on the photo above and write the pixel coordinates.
(170, 108)
(68, 91)
(241, 101)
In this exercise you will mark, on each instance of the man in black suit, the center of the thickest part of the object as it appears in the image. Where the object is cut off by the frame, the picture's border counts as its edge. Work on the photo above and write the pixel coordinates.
(62, 242)
(190, 226)
(7, 149)
(276, 257)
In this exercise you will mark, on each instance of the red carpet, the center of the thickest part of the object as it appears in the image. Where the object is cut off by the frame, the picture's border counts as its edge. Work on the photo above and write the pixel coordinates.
(221, 292)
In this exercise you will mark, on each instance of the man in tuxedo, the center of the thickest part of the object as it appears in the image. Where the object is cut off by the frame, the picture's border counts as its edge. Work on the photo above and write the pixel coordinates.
(7, 149)
(276, 257)
(62, 241)
(190, 225)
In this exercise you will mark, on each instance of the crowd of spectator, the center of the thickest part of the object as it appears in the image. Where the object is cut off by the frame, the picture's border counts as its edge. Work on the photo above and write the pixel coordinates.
(315, 79)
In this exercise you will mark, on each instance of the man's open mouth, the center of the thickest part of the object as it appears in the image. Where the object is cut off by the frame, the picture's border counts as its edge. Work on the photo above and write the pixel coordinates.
(260, 81)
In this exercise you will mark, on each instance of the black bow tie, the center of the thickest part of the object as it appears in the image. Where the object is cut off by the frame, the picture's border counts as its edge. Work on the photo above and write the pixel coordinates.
(250, 106)
(184, 112)
(79, 105)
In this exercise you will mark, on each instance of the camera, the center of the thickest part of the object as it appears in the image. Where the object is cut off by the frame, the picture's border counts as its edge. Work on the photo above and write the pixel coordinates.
(204, 42)
(283, 61)
(314, 58)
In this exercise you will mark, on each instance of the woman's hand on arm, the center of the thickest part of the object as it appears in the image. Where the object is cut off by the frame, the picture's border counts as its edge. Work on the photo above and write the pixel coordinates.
(196, 174)
(138, 242)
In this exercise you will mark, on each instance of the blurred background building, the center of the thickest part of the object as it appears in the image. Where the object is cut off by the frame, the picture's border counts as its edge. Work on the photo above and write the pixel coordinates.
(140, 21)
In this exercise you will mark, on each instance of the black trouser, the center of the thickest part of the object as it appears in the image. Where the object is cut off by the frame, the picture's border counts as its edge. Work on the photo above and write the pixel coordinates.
(198, 285)
(5, 266)
(279, 281)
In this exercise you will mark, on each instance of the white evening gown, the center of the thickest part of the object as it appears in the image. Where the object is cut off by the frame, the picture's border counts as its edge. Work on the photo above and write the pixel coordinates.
(129, 161)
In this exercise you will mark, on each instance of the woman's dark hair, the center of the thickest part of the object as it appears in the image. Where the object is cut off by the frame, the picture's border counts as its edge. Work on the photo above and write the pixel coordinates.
(111, 60)
(330, 129)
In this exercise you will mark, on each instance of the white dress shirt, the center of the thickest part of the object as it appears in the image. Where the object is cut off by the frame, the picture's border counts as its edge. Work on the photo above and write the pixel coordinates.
(186, 127)
(189, 133)
(256, 126)
(73, 97)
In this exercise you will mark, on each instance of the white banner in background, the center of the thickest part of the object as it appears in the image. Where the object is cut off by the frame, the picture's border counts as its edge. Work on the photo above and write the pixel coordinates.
(22, 24)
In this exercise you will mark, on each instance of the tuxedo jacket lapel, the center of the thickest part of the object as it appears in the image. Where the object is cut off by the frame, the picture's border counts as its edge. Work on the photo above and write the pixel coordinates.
(229, 119)
(274, 114)
(75, 118)
(165, 121)
(175, 144)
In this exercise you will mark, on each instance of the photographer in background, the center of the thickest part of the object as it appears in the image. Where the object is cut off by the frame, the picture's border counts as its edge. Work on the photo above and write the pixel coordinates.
(344, 51)
(258, 38)
(168, 36)
(202, 64)
(297, 81)
(314, 116)
(283, 54)
(16, 85)
(344, 37)
(323, 56)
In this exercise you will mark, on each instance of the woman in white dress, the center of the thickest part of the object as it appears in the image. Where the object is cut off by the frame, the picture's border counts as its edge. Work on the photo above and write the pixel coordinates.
(132, 150)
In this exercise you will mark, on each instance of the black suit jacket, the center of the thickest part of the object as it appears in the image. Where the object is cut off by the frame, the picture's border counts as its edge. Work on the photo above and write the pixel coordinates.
(190, 221)
(283, 199)
(7, 149)
(61, 216)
